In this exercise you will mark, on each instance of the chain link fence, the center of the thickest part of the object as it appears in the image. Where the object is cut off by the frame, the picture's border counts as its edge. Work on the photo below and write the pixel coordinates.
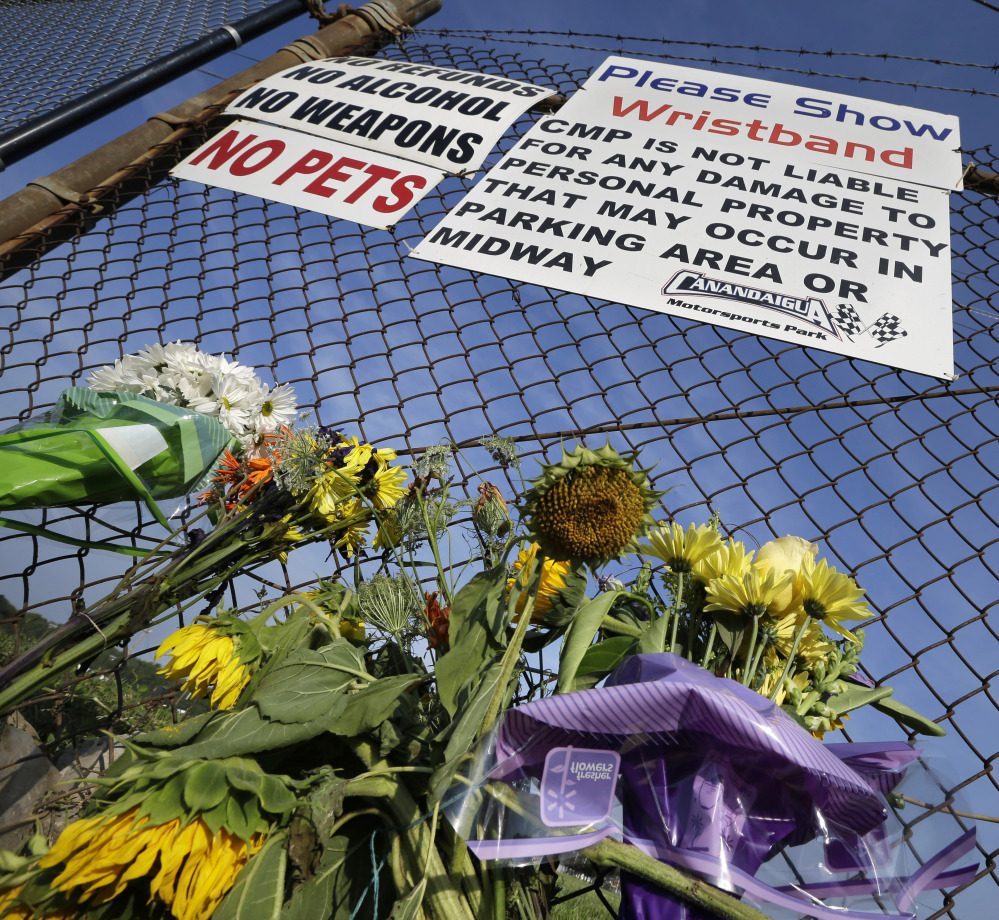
(892, 473)
(58, 50)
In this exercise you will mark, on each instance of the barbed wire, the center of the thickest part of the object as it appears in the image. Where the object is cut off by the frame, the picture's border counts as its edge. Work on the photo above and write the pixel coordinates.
(490, 33)
(716, 61)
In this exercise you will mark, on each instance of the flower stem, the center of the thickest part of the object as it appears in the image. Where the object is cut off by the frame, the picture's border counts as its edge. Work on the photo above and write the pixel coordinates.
(750, 654)
(512, 654)
(677, 600)
(687, 888)
(609, 624)
(790, 658)
(432, 540)
(710, 647)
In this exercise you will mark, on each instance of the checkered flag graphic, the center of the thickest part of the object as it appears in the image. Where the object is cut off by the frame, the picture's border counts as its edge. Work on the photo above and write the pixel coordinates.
(887, 329)
(848, 320)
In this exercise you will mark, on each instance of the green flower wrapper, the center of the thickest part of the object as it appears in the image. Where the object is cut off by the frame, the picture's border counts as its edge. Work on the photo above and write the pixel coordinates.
(107, 447)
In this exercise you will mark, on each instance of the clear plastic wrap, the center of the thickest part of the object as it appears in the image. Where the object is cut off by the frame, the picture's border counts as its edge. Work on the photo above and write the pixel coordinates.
(710, 777)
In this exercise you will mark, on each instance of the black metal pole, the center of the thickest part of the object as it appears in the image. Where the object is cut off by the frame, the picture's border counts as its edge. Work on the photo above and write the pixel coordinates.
(36, 133)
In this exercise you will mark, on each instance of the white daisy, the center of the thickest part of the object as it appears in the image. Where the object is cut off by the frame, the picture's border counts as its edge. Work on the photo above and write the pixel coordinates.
(276, 408)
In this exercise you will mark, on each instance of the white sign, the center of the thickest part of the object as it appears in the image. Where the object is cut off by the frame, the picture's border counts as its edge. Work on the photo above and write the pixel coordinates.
(792, 213)
(448, 119)
(307, 172)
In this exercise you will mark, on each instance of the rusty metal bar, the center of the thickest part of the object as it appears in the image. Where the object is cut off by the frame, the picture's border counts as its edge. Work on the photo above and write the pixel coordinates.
(70, 191)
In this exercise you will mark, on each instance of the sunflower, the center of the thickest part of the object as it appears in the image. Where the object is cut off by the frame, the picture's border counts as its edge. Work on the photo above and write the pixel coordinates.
(679, 550)
(830, 596)
(12, 908)
(590, 507)
(553, 582)
(187, 867)
(205, 657)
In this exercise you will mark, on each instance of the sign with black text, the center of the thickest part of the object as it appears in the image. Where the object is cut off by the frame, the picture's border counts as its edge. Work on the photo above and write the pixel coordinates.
(804, 216)
(448, 119)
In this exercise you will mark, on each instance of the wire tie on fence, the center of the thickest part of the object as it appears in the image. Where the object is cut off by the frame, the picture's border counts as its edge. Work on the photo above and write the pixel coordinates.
(381, 17)
(305, 51)
(65, 194)
(174, 121)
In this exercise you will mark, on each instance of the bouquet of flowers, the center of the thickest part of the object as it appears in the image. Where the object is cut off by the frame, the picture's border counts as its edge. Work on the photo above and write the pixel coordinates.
(151, 426)
(377, 749)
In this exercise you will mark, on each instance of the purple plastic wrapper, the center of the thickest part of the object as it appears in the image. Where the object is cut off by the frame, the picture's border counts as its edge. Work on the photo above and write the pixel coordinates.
(712, 777)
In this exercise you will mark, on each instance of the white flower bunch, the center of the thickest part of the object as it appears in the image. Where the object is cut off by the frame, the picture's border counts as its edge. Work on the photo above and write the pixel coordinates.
(181, 375)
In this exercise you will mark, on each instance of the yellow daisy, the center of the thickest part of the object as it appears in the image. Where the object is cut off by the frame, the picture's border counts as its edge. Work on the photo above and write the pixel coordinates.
(729, 558)
(350, 537)
(830, 596)
(680, 550)
(750, 594)
(205, 658)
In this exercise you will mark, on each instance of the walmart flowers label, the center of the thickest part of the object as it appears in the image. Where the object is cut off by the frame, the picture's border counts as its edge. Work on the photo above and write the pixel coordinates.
(577, 786)
(792, 213)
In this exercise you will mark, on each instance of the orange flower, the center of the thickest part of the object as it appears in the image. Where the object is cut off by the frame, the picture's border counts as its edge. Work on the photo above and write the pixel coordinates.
(438, 623)
(235, 478)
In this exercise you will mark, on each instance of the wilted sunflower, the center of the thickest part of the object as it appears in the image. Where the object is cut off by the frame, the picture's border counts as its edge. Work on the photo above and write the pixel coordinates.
(204, 656)
(590, 507)
(11, 908)
(186, 866)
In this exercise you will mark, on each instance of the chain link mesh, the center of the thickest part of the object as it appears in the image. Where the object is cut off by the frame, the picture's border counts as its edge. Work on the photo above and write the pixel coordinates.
(894, 474)
(93, 44)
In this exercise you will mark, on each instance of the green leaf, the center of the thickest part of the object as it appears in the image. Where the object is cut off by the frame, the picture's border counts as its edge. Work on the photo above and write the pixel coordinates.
(600, 659)
(259, 891)
(304, 687)
(467, 658)
(166, 803)
(909, 717)
(205, 785)
(462, 733)
(481, 603)
(330, 890)
(731, 627)
(275, 796)
(218, 817)
(232, 734)
(249, 778)
(237, 820)
(655, 636)
(371, 706)
(170, 736)
(579, 637)
(408, 907)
